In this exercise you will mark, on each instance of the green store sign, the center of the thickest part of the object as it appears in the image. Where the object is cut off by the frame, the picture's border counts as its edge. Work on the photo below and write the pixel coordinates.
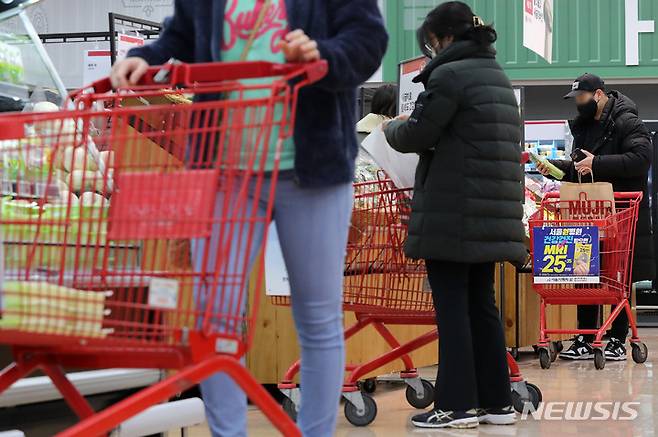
(617, 39)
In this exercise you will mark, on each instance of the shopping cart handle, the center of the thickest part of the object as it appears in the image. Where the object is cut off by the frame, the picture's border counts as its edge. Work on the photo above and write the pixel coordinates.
(631, 195)
(197, 75)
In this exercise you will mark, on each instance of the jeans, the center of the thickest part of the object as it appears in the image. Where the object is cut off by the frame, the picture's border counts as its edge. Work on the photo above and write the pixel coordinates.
(312, 225)
(473, 368)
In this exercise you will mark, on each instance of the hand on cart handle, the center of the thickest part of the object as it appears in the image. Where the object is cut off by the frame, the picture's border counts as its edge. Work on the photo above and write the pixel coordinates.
(135, 74)
(128, 72)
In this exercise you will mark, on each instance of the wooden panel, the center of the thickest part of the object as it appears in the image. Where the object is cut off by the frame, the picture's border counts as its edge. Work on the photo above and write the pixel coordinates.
(275, 345)
(528, 322)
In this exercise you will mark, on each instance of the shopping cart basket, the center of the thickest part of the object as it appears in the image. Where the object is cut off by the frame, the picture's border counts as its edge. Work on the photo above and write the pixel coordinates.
(616, 225)
(385, 288)
(106, 280)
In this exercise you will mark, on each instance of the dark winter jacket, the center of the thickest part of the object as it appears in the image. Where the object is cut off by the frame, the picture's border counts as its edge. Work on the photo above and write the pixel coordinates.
(467, 204)
(351, 36)
(623, 149)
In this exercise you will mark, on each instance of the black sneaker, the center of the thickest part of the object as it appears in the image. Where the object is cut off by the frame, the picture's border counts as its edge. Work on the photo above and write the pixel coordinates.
(497, 416)
(446, 419)
(615, 350)
(579, 350)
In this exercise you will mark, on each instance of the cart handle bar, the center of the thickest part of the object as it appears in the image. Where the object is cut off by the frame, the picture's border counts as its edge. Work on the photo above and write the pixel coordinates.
(633, 195)
(195, 76)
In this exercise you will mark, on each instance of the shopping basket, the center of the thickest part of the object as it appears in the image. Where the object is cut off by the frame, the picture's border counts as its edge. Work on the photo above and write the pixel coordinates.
(616, 226)
(384, 288)
(106, 280)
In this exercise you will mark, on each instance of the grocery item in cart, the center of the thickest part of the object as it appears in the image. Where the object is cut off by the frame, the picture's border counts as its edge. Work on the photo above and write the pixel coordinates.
(44, 308)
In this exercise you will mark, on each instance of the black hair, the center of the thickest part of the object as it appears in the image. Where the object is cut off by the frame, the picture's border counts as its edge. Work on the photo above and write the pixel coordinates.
(385, 101)
(455, 19)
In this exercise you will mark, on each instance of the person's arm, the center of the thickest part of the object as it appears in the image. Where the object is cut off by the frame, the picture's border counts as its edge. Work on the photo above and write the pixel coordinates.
(175, 41)
(356, 50)
(435, 108)
(635, 159)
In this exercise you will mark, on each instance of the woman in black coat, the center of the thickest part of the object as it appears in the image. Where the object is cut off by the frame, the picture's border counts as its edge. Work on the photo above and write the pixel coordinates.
(467, 209)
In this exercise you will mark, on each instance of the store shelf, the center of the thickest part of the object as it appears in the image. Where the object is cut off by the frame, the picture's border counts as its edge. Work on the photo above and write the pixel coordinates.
(41, 388)
(11, 90)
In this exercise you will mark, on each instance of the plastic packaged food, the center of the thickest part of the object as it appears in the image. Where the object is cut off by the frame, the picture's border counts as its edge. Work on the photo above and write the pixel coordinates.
(552, 169)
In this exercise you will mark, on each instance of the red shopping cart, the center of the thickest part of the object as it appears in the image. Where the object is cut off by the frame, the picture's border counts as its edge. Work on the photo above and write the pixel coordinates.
(616, 224)
(385, 288)
(106, 280)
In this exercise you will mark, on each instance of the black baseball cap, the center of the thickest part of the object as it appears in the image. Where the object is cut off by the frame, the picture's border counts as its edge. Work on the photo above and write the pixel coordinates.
(587, 82)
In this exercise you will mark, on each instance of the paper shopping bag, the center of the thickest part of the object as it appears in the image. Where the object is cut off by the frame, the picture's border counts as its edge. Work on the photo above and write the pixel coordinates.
(593, 201)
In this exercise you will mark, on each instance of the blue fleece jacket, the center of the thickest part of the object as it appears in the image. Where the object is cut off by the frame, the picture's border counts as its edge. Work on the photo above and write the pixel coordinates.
(351, 36)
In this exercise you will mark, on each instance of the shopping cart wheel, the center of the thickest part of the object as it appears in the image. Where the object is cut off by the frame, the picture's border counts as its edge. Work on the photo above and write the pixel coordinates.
(534, 398)
(559, 347)
(640, 352)
(545, 359)
(424, 401)
(290, 408)
(599, 359)
(369, 385)
(364, 417)
(552, 349)
(514, 352)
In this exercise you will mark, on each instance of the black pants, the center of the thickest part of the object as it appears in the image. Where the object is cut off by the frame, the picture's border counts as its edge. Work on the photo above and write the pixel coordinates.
(473, 368)
(588, 318)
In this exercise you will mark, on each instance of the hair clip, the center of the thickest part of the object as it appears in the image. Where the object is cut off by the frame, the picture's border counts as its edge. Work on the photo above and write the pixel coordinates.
(477, 21)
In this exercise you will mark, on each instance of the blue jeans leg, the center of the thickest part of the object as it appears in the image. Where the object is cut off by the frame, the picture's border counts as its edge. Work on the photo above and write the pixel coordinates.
(225, 402)
(313, 226)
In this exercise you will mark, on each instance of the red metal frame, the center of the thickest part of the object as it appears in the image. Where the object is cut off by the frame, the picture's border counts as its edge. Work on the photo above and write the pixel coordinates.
(382, 287)
(158, 314)
(617, 227)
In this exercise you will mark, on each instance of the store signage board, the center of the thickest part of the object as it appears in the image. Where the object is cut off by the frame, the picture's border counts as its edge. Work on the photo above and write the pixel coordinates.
(634, 27)
(97, 65)
(566, 255)
(408, 90)
(127, 42)
(538, 27)
(630, 38)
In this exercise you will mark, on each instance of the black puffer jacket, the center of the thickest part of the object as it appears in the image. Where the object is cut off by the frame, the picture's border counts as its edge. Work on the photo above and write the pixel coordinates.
(467, 129)
(623, 149)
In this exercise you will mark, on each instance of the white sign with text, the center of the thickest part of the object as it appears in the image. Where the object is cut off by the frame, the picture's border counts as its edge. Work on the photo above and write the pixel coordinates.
(538, 27)
(409, 91)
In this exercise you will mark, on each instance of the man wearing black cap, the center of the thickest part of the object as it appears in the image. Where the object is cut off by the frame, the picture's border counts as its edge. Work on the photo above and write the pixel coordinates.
(617, 149)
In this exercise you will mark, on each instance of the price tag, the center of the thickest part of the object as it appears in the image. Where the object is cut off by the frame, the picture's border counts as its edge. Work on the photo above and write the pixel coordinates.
(566, 255)
(163, 293)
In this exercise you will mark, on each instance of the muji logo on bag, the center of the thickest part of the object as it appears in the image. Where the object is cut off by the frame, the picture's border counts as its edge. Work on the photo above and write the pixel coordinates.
(588, 209)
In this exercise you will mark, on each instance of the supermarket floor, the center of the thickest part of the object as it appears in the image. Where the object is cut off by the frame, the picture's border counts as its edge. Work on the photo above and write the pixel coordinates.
(564, 382)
